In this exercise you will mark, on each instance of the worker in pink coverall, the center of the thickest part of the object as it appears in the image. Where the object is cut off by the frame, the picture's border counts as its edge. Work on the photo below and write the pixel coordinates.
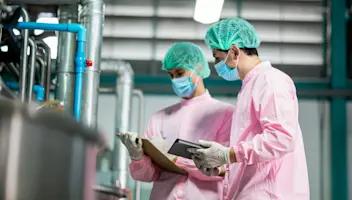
(266, 156)
(197, 116)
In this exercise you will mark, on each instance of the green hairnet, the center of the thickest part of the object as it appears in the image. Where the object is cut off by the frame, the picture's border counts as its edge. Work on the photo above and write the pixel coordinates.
(188, 56)
(233, 31)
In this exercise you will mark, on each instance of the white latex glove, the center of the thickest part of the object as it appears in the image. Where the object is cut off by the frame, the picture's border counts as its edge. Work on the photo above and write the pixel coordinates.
(205, 171)
(215, 155)
(134, 147)
(160, 144)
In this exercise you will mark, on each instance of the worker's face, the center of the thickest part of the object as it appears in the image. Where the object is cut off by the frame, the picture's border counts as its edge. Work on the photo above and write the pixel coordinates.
(219, 55)
(179, 72)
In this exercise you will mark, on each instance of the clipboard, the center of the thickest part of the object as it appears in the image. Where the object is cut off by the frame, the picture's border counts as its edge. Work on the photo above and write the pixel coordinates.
(159, 158)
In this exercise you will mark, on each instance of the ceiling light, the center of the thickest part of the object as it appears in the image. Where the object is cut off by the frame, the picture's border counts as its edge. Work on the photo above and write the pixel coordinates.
(208, 11)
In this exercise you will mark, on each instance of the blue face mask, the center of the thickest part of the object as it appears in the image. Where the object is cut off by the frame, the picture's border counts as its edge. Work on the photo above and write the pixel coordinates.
(183, 87)
(226, 72)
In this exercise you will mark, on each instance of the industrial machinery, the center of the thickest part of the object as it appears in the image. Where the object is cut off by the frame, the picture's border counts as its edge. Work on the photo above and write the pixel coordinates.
(46, 153)
(42, 159)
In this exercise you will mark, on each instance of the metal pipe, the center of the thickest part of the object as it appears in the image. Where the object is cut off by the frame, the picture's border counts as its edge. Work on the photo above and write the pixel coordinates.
(92, 17)
(80, 61)
(23, 67)
(14, 69)
(139, 94)
(38, 90)
(32, 69)
(39, 93)
(5, 91)
(65, 70)
(124, 86)
(42, 71)
(46, 71)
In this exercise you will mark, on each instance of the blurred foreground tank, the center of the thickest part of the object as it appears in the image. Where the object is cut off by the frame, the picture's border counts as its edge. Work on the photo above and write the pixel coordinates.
(45, 154)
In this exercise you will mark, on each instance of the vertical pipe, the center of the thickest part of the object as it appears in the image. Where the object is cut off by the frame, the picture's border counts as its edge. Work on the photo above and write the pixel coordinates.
(46, 71)
(33, 47)
(92, 17)
(79, 70)
(140, 96)
(65, 69)
(42, 71)
(338, 105)
(23, 67)
(124, 85)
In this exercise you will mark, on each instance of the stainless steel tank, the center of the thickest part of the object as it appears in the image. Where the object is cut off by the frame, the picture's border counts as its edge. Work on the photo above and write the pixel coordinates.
(45, 155)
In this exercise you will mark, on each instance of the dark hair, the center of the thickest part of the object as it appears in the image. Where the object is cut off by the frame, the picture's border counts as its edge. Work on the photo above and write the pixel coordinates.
(250, 51)
(247, 51)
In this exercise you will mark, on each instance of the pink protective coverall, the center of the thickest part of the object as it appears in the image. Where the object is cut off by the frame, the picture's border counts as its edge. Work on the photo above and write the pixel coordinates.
(267, 139)
(199, 118)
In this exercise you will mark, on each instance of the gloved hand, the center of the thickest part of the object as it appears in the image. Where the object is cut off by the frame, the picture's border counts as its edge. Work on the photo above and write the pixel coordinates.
(207, 171)
(134, 147)
(160, 144)
(215, 155)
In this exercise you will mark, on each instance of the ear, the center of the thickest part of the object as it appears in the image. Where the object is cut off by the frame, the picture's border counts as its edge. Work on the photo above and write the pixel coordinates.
(235, 51)
(198, 68)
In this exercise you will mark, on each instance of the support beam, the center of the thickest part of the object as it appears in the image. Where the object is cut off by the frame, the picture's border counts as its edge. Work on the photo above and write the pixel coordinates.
(161, 84)
(339, 164)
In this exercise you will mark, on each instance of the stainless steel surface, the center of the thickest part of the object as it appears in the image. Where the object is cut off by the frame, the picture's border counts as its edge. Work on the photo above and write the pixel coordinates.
(33, 48)
(65, 69)
(124, 86)
(92, 17)
(46, 71)
(139, 94)
(40, 158)
(24, 57)
(42, 2)
(90, 98)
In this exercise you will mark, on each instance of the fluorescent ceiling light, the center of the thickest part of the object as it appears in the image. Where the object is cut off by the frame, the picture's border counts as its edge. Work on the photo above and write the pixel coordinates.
(4, 48)
(208, 11)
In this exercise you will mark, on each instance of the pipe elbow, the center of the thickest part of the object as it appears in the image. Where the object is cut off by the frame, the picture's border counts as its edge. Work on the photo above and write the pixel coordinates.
(40, 92)
(123, 70)
(79, 29)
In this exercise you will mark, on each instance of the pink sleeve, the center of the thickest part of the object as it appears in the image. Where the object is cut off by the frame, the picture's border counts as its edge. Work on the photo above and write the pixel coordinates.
(145, 170)
(276, 108)
(192, 170)
(223, 135)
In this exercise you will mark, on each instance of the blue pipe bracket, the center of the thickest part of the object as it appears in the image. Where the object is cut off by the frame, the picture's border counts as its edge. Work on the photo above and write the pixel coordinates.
(38, 90)
(80, 61)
